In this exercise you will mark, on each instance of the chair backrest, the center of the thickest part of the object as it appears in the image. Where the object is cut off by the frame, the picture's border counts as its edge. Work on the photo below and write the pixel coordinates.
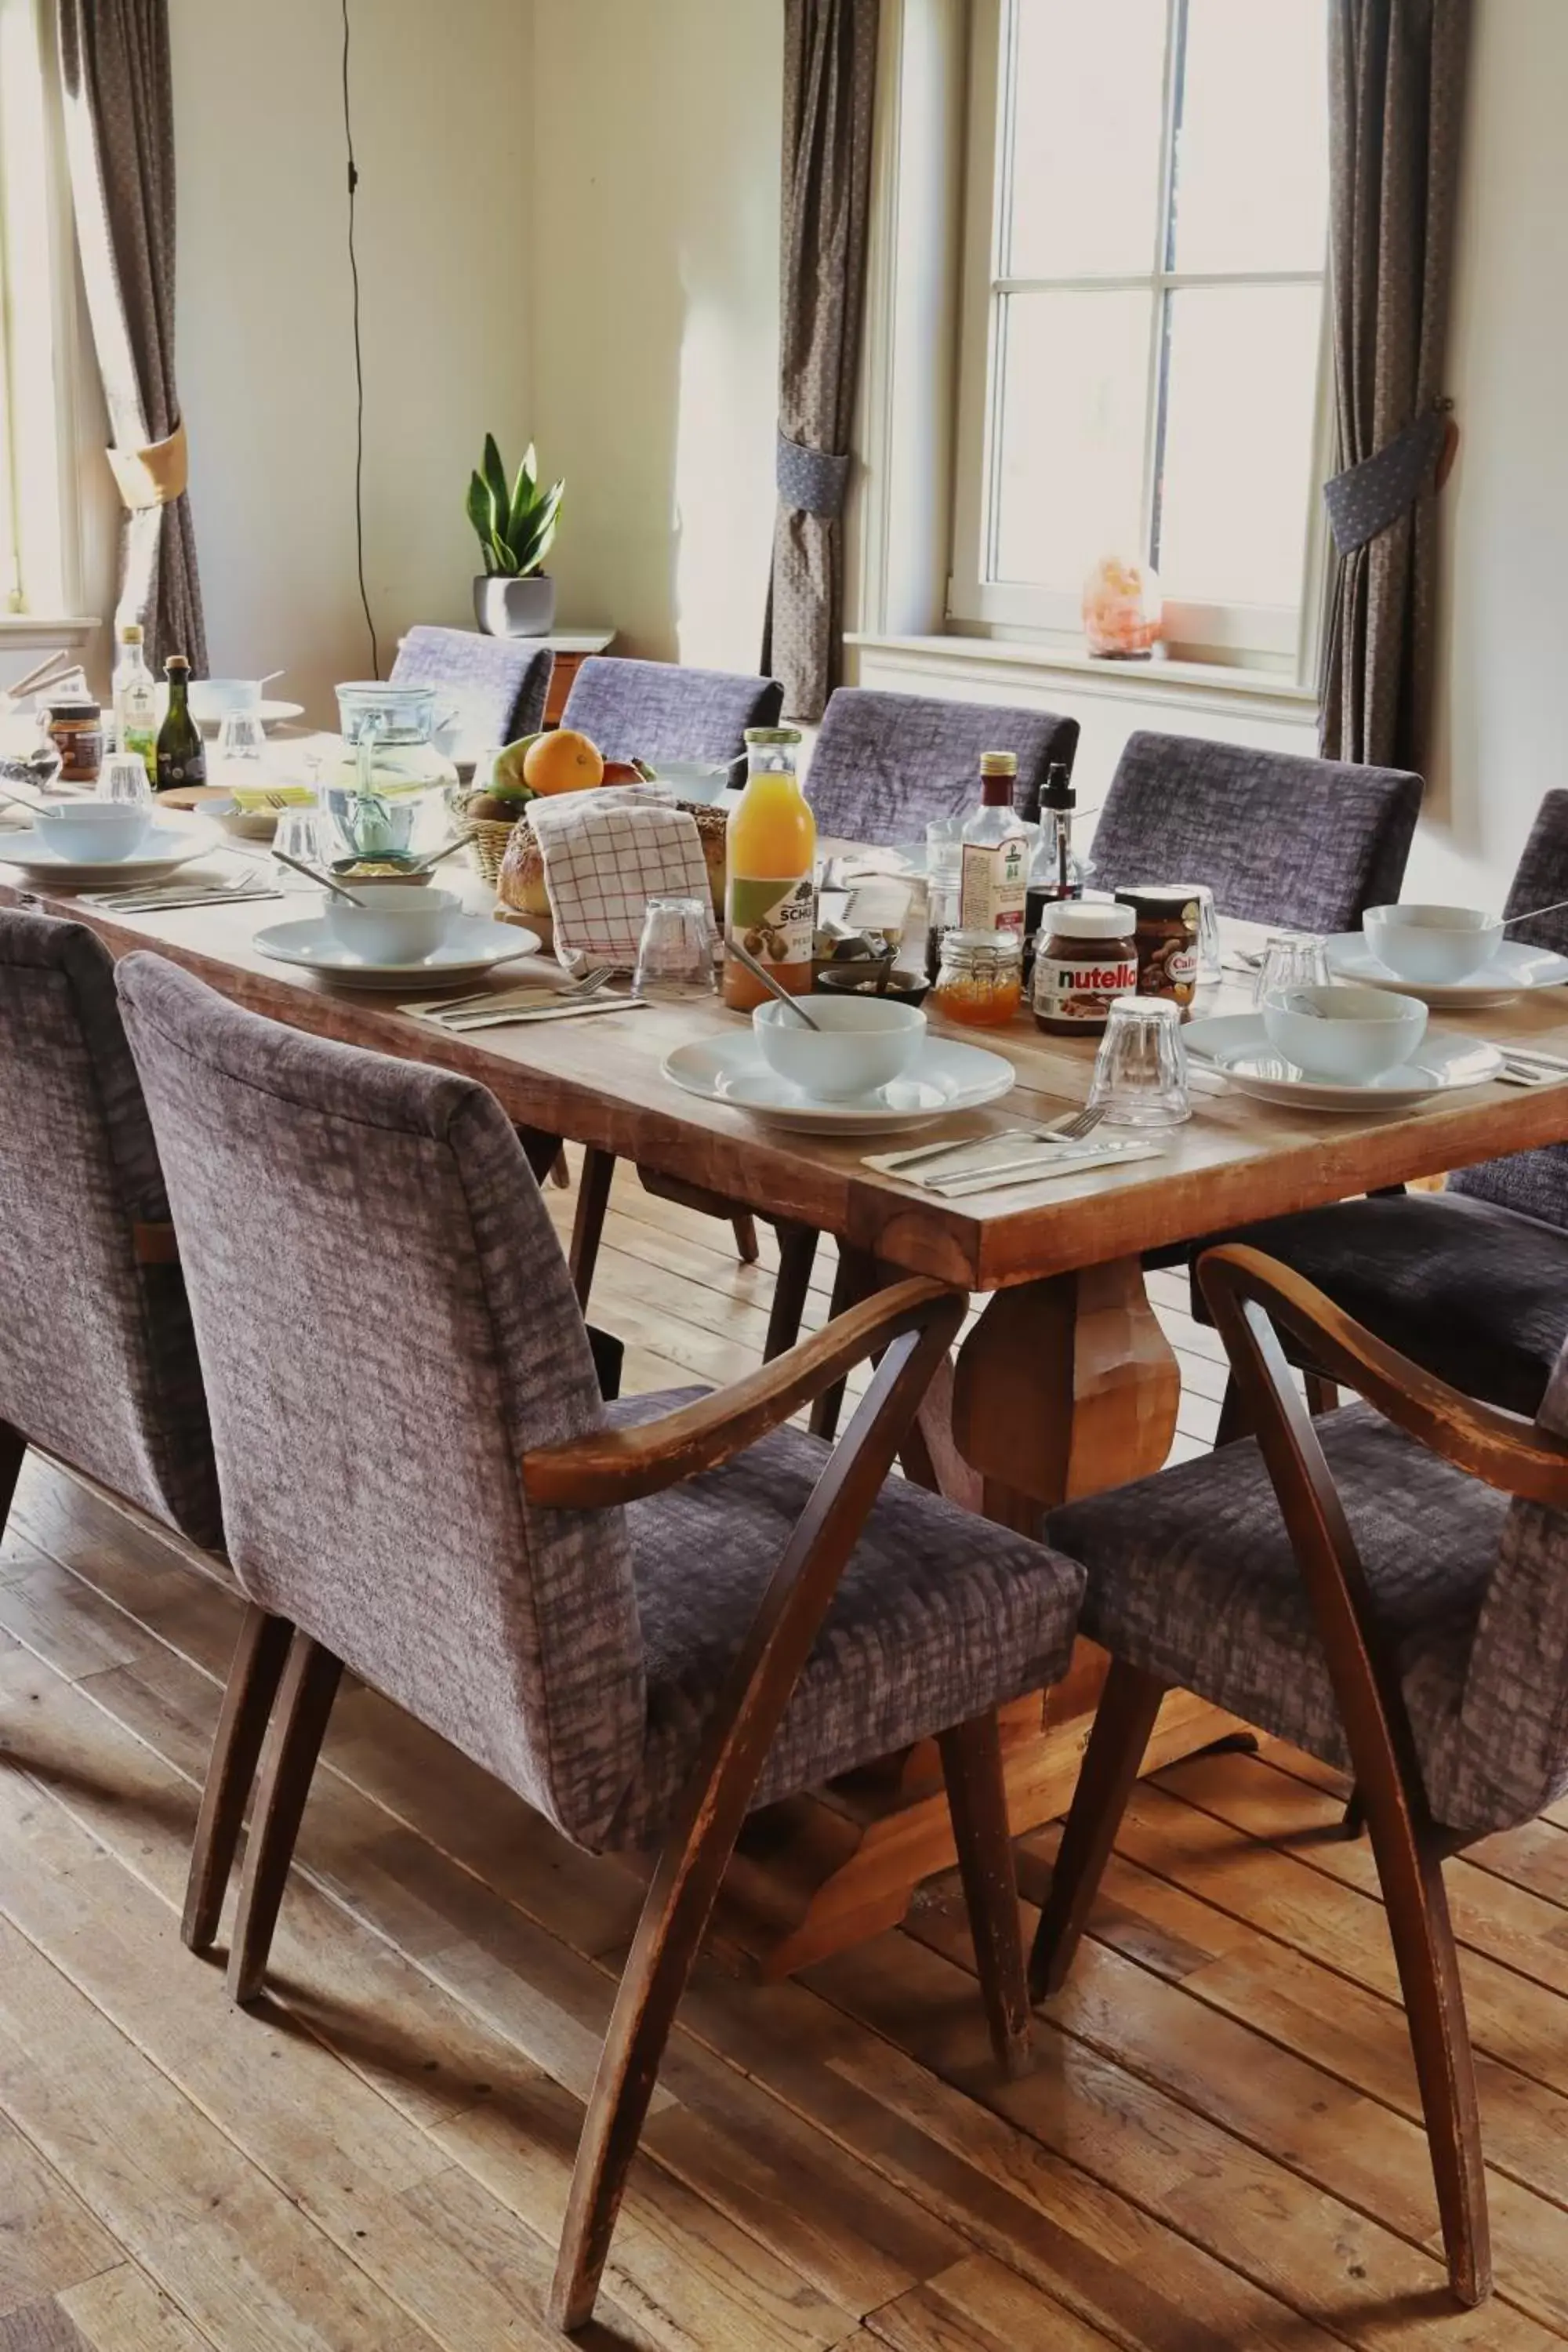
(654, 711)
(497, 685)
(387, 1326)
(98, 1358)
(1508, 1758)
(1277, 838)
(1535, 1182)
(887, 765)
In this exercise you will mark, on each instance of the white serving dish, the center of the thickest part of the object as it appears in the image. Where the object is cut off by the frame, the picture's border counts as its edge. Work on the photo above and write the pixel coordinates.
(1515, 968)
(861, 1042)
(271, 713)
(706, 780)
(1432, 944)
(212, 699)
(1350, 1034)
(165, 848)
(945, 1076)
(94, 833)
(1238, 1044)
(399, 923)
(474, 945)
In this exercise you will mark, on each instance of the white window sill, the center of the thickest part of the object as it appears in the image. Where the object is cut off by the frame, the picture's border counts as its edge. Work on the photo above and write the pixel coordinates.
(1198, 686)
(48, 629)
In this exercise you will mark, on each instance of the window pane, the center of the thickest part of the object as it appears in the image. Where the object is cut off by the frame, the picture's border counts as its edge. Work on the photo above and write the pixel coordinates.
(1070, 483)
(1252, 145)
(1088, 93)
(1238, 443)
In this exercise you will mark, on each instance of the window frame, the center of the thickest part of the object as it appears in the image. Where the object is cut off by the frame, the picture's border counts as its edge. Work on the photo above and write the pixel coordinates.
(1281, 638)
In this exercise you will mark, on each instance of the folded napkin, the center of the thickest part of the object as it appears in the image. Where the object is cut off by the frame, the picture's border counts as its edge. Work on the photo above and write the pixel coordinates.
(158, 896)
(990, 1164)
(605, 855)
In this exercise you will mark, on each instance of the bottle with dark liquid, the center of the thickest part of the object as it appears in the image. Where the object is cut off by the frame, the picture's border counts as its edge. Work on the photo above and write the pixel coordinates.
(181, 754)
(1055, 874)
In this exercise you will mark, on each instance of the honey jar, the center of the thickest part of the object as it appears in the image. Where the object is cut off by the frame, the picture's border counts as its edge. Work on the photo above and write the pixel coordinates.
(981, 979)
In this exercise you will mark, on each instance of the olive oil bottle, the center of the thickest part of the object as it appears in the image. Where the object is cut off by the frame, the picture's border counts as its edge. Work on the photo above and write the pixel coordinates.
(181, 754)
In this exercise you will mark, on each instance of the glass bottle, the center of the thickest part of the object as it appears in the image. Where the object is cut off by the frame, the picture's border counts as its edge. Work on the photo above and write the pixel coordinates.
(181, 754)
(1056, 873)
(770, 855)
(993, 880)
(135, 701)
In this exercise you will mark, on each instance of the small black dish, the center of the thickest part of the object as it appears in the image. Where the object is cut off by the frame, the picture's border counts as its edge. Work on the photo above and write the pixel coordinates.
(859, 978)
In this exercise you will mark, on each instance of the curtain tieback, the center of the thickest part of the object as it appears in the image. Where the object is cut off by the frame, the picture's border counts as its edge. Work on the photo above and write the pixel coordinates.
(153, 475)
(811, 480)
(1366, 499)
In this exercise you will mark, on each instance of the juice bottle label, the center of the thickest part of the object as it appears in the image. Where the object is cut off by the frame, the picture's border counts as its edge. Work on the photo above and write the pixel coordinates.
(994, 887)
(772, 917)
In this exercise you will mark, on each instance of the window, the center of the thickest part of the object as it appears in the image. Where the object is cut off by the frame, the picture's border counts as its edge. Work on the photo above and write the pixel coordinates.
(36, 291)
(1142, 349)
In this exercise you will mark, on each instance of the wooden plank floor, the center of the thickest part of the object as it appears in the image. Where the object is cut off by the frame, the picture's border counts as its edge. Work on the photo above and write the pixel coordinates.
(1219, 2145)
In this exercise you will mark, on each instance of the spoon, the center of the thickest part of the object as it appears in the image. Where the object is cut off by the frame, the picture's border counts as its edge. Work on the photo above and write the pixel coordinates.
(324, 881)
(448, 849)
(760, 972)
(1530, 913)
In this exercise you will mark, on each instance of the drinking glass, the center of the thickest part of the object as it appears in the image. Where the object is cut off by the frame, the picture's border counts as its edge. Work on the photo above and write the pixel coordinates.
(298, 834)
(241, 743)
(675, 954)
(125, 778)
(1291, 959)
(1140, 1072)
(1210, 962)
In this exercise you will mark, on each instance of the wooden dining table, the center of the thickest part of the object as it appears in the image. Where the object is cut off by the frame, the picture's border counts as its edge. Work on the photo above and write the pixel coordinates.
(1065, 1384)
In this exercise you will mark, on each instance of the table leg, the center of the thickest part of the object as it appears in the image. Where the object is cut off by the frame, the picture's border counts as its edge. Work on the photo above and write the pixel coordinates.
(1064, 1387)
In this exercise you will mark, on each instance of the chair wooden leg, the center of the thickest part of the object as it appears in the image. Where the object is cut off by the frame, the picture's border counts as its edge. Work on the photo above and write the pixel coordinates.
(588, 1224)
(13, 1454)
(743, 1226)
(977, 1800)
(797, 1255)
(253, 1677)
(1122, 1723)
(560, 1172)
(287, 1765)
(1323, 1394)
(1234, 1421)
(1353, 1822)
(855, 1280)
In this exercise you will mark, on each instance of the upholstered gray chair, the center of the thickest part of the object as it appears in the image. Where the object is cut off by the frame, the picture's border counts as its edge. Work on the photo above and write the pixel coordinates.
(887, 765)
(643, 1621)
(1279, 839)
(654, 711)
(1473, 1281)
(97, 1359)
(495, 686)
(1362, 1586)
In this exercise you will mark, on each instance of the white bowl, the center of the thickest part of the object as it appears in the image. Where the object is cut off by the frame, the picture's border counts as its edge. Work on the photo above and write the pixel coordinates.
(1353, 1034)
(1432, 943)
(866, 1043)
(399, 924)
(211, 699)
(95, 833)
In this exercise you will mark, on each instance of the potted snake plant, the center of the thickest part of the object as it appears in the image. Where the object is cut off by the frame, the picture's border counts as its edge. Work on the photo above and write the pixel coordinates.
(513, 596)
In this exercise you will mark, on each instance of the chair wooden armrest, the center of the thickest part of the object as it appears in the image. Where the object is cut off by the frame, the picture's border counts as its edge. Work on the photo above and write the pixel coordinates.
(1506, 1452)
(618, 1465)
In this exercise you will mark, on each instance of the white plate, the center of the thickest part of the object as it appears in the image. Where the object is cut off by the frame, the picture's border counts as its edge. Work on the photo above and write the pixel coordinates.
(946, 1077)
(1237, 1044)
(165, 849)
(474, 946)
(1515, 968)
(270, 713)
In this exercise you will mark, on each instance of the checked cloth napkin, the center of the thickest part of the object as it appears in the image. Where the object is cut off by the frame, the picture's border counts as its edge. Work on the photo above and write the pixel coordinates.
(605, 855)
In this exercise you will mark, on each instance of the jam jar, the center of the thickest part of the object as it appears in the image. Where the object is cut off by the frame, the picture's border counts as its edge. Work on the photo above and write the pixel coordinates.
(981, 980)
(1168, 921)
(1089, 958)
(76, 730)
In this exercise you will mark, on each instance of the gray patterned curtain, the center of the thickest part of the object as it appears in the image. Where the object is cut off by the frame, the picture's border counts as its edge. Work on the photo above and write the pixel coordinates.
(120, 143)
(1396, 72)
(830, 62)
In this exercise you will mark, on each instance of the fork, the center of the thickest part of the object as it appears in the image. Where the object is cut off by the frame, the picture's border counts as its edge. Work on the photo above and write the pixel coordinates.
(492, 1000)
(1072, 1130)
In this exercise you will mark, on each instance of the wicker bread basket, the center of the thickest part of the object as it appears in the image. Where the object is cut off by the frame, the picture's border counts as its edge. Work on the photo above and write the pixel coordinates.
(488, 838)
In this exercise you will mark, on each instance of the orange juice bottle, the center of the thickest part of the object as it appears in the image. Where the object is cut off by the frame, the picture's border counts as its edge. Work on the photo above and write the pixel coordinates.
(771, 854)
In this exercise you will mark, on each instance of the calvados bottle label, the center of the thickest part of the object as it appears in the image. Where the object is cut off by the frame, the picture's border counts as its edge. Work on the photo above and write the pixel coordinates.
(772, 918)
(1079, 988)
(994, 885)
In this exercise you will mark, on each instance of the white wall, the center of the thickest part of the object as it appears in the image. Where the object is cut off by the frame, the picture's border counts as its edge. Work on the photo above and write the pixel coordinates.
(444, 104)
(1502, 738)
(656, 178)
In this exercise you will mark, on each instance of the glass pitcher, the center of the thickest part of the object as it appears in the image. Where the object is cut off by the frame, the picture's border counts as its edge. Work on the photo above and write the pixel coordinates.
(386, 798)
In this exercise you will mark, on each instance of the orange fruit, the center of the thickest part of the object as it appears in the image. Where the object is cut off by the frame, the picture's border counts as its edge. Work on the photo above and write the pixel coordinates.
(563, 761)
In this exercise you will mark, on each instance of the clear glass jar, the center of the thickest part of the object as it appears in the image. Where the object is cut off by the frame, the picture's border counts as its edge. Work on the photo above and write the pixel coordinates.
(772, 751)
(981, 979)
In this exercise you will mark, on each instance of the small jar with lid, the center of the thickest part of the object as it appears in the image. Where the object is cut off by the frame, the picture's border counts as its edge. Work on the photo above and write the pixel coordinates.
(1086, 957)
(75, 728)
(980, 982)
(1168, 928)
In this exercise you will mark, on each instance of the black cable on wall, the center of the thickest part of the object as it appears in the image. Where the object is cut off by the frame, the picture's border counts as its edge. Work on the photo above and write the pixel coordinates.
(359, 364)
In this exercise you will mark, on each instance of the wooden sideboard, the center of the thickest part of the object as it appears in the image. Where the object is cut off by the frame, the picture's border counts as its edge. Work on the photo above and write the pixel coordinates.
(571, 648)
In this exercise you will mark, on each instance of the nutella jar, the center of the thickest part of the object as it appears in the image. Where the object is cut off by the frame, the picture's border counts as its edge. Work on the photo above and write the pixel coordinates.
(1089, 958)
(1168, 922)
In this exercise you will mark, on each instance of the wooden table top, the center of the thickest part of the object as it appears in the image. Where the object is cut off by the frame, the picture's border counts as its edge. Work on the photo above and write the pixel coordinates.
(599, 1082)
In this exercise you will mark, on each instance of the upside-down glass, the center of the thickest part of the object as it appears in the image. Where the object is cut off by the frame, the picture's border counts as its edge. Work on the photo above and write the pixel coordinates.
(298, 834)
(125, 779)
(241, 746)
(1291, 959)
(675, 954)
(1140, 1071)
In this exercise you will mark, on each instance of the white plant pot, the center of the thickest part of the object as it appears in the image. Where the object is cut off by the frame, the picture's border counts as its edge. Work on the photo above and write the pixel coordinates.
(515, 608)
